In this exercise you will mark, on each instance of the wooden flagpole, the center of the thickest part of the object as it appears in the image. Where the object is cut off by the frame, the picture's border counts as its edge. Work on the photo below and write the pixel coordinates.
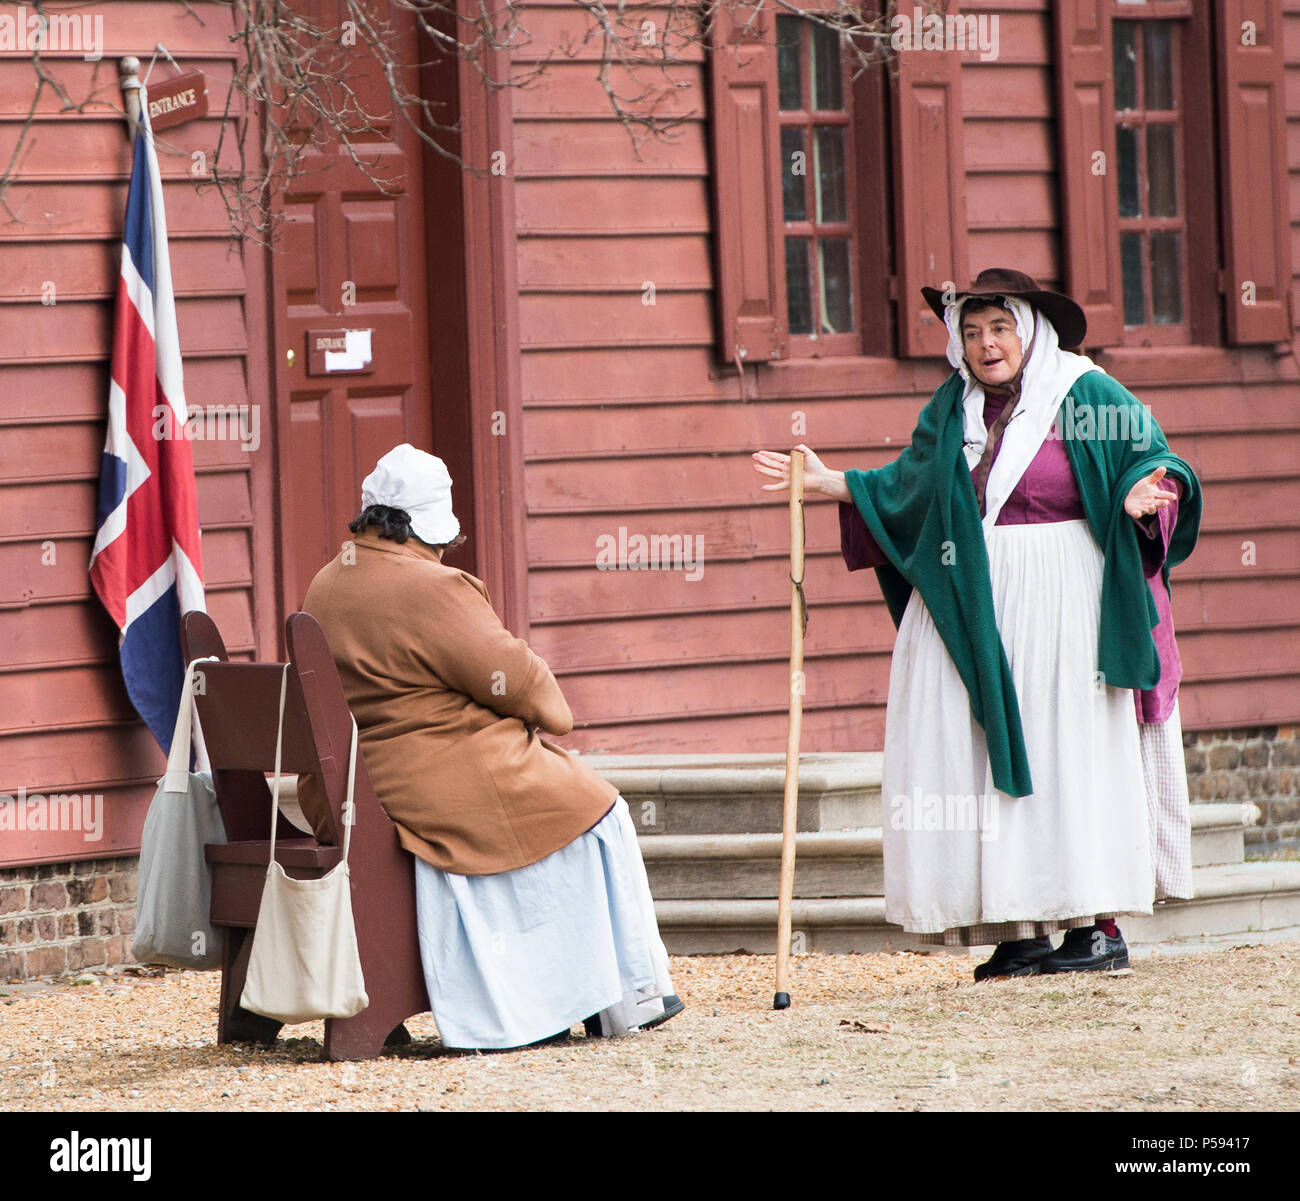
(790, 811)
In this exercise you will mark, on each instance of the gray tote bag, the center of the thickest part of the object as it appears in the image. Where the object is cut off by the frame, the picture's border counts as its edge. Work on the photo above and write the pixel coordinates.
(172, 923)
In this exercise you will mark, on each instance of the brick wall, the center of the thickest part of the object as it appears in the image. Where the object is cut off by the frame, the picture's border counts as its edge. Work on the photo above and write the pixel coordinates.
(63, 917)
(1261, 765)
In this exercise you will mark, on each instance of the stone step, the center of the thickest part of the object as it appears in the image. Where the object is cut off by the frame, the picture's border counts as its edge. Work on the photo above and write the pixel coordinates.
(838, 791)
(1236, 899)
(1219, 832)
(849, 863)
(744, 794)
(831, 864)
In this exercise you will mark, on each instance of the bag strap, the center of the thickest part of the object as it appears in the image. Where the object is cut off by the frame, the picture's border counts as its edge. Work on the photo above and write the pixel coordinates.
(177, 777)
(275, 787)
(349, 814)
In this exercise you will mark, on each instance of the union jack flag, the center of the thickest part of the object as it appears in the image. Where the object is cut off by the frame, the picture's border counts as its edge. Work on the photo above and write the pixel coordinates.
(146, 565)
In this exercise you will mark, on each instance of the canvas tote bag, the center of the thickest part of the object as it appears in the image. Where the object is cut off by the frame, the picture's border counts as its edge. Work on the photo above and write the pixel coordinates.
(172, 921)
(304, 963)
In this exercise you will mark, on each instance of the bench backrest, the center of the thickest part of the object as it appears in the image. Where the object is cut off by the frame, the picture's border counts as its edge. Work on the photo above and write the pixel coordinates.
(238, 707)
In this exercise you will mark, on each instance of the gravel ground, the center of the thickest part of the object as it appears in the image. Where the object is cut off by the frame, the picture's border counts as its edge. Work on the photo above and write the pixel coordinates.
(1206, 1031)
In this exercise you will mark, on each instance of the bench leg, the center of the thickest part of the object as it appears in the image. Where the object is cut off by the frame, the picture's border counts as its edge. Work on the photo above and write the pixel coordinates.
(366, 1035)
(234, 1023)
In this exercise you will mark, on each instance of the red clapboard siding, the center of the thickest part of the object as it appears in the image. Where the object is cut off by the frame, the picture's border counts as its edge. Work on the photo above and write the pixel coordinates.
(561, 30)
(835, 425)
(65, 721)
(621, 374)
(91, 150)
(710, 637)
(121, 813)
(87, 269)
(674, 691)
(635, 427)
(843, 726)
(571, 264)
(592, 147)
(625, 207)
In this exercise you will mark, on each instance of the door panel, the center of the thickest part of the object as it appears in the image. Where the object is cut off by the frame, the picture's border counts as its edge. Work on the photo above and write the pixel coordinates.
(351, 256)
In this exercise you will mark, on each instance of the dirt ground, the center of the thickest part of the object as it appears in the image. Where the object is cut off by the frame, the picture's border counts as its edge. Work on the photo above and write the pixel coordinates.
(1207, 1031)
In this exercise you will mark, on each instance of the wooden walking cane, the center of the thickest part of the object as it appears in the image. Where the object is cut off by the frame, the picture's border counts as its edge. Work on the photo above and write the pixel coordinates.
(790, 811)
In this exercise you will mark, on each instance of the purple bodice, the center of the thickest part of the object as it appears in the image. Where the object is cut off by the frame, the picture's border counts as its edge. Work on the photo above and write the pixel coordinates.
(1046, 493)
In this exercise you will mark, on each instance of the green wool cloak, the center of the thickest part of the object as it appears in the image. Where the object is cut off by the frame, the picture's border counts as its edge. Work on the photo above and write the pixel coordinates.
(922, 512)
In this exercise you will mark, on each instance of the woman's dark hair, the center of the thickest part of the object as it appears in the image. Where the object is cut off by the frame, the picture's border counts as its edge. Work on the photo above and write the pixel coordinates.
(395, 525)
(977, 304)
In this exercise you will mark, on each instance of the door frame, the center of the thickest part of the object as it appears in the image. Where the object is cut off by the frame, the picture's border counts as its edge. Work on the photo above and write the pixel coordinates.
(492, 284)
(474, 349)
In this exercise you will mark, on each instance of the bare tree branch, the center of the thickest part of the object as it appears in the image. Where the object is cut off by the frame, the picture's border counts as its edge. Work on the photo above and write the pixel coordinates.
(296, 77)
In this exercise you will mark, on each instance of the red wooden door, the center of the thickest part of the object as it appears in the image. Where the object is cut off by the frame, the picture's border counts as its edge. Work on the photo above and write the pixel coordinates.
(351, 256)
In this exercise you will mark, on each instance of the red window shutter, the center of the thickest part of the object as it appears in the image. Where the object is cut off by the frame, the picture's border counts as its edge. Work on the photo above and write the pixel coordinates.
(929, 193)
(1256, 222)
(749, 250)
(1086, 170)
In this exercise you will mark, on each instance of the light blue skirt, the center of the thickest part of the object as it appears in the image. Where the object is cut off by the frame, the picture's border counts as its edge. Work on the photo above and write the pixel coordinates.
(519, 956)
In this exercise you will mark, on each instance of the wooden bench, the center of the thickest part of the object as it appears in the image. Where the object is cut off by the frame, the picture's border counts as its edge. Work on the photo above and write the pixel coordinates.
(238, 705)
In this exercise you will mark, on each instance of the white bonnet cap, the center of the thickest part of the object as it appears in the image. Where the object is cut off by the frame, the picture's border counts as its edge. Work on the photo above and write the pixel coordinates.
(418, 482)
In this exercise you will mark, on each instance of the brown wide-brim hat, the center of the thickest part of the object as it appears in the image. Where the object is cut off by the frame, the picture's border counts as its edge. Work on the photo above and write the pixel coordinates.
(1071, 325)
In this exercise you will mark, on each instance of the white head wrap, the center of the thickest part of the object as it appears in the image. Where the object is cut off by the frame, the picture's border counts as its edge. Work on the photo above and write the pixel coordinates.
(1045, 377)
(418, 482)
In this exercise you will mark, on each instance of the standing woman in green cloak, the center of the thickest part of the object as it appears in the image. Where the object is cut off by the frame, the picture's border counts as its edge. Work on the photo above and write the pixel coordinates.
(1013, 541)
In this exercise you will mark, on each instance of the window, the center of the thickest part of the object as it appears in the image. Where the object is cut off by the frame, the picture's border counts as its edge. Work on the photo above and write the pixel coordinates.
(826, 259)
(817, 198)
(1149, 162)
(1172, 167)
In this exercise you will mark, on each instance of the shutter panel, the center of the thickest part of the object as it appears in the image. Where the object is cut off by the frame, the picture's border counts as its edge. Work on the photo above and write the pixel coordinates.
(749, 250)
(1256, 222)
(1089, 186)
(929, 193)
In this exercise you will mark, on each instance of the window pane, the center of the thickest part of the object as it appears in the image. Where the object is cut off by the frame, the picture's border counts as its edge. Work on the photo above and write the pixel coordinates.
(1158, 64)
(794, 175)
(798, 290)
(1162, 184)
(1126, 148)
(1130, 256)
(1125, 53)
(1166, 279)
(837, 286)
(828, 74)
(831, 205)
(789, 70)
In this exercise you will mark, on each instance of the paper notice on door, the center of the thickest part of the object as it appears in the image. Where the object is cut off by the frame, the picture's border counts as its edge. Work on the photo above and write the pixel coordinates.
(355, 353)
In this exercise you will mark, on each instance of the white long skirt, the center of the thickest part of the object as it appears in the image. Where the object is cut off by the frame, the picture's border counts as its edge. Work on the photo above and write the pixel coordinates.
(519, 956)
(959, 853)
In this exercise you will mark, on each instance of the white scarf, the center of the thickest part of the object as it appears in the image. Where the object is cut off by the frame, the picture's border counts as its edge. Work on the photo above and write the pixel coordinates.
(1045, 378)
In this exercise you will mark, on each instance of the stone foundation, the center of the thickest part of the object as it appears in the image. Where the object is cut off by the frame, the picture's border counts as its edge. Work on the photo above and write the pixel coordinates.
(1261, 765)
(65, 917)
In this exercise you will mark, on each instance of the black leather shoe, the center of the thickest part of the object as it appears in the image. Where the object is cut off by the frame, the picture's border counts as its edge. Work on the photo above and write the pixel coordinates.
(1019, 958)
(673, 1005)
(1087, 949)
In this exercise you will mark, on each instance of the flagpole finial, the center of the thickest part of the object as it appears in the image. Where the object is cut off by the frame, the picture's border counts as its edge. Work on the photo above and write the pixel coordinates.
(128, 70)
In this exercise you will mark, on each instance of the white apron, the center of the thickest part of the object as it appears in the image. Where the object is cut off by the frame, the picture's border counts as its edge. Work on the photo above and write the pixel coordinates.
(958, 853)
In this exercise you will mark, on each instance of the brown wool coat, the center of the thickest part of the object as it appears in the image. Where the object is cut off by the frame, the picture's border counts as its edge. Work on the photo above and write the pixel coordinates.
(446, 701)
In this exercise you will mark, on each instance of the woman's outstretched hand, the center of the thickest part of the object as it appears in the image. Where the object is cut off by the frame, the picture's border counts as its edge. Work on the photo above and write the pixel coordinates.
(817, 477)
(1147, 496)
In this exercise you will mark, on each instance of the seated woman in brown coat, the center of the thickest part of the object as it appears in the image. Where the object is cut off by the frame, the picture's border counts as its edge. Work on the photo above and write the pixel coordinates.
(533, 906)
